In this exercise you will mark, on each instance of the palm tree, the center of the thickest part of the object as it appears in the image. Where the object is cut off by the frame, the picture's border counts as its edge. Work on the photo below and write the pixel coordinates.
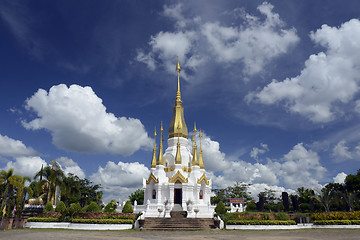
(349, 198)
(54, 177)
(6, 179)
(324, 197)
(71, 189)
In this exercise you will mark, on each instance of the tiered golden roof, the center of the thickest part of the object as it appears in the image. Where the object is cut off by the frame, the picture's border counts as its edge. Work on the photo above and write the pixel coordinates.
(178, 126)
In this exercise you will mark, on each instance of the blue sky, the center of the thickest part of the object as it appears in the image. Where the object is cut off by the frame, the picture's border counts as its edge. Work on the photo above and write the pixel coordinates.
(273, 85)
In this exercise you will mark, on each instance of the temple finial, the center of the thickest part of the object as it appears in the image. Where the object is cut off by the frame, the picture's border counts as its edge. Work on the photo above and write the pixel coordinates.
(178, 93)
(178, 154)
(160, 160)
(201, 160)
(195, 160)
(153, 162)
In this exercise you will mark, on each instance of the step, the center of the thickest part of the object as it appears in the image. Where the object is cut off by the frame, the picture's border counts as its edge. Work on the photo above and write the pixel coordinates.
(178, 224)
(178, 214)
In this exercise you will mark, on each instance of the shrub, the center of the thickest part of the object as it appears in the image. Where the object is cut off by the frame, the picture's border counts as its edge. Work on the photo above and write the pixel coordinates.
(220, 208)
(111, 206)
(305, 207)
(61, 208)
(251, 207)
(282, 216)
(103, 221)
(92, 207)
(49, 207)
(260, 222)
(127, 208)
(43, 219)
(74, 209)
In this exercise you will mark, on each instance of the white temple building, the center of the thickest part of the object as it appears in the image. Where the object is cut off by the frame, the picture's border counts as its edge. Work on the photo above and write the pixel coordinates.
(177, 180)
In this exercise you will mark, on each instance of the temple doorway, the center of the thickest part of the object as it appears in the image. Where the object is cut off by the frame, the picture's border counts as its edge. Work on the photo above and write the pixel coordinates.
(177, 195)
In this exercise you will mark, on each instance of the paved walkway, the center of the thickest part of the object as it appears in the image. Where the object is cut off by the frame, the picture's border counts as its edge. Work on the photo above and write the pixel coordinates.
(323, 234)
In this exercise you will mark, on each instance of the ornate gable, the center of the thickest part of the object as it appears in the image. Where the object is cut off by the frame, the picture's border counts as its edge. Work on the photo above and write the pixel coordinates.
(203, 178)
(178, 176)
(152, 177)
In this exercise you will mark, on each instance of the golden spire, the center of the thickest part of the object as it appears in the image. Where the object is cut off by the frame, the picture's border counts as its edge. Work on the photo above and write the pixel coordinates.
(195, 161)
(178, 126)
(153, 162)
(201, 160)
(178, 154)
(178, 69)
(160, 160)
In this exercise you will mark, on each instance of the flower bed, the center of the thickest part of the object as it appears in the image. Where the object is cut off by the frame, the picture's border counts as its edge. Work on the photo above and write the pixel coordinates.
(336, 216)
(103, 221)
(82, 220)
(260, 222)
(101, 215)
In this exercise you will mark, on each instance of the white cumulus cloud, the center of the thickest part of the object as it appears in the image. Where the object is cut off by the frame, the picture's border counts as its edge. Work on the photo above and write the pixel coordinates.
(301, 168)
(14, 148)
(341, 151)
(254, 42)
(119, 180)
(26, 166)
(340, 178)
(78, 121)
(256, 151)
(69, 166)
(329, 78)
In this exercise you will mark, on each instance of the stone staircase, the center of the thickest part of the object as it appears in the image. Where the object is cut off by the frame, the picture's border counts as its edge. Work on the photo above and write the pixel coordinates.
(178, 221)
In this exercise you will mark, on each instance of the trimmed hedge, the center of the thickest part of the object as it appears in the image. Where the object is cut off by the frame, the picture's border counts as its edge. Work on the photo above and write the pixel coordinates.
(103, 221)
(260, 222)
(337, 222)
(117, 217)
(43, 219)
(336, 216)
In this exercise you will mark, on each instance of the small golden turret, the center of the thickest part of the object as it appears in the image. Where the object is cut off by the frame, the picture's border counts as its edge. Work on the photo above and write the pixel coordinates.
(153, 162)
(178, 126)
(195, 161)
(160, 160)
(178, 154)
(201, 160)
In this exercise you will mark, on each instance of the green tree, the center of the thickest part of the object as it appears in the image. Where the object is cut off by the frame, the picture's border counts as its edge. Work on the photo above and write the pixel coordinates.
(138, 195)
(49, 207)
(15, 197)
(61, 208)
(268, 195)
(239, 190)
(89, 192)
(127, 208)
(74, 209)
(92, 207)
(220, 208)
(70, 189)
(352, 182)
(111, 206)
